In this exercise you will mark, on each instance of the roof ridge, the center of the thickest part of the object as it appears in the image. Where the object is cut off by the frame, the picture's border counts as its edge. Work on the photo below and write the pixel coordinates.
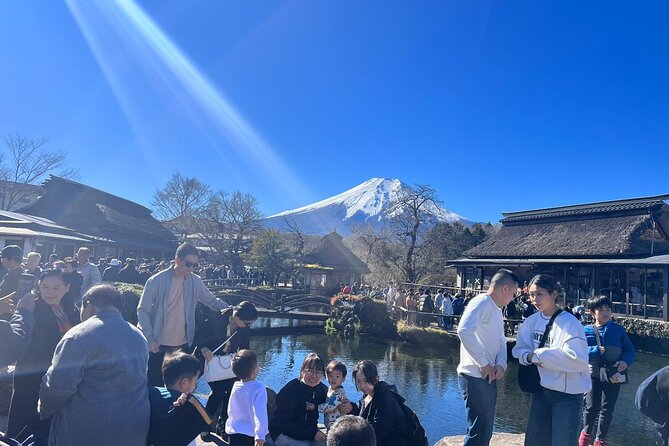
(601, 206)
(104, 193)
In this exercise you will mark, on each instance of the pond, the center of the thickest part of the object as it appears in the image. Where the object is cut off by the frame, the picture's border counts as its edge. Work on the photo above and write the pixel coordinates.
(427, 378)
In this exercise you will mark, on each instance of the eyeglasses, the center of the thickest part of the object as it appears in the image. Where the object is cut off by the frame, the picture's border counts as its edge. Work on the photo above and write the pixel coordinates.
(191, 264)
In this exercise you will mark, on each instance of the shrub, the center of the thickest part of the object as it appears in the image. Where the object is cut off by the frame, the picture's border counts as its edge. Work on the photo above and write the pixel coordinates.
(130, 294)
(364, 316)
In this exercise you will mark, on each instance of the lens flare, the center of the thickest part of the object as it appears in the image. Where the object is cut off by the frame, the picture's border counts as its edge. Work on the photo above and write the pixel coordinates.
(140, 61)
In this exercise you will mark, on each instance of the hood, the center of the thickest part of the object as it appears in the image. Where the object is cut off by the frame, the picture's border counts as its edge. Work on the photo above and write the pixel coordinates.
(384, 386)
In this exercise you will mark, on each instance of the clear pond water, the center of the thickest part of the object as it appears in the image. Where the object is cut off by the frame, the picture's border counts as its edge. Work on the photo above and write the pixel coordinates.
(427, 378)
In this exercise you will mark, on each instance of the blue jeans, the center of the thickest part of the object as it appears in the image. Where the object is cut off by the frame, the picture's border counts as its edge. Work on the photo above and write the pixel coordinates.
(555, 419)
(480, 399)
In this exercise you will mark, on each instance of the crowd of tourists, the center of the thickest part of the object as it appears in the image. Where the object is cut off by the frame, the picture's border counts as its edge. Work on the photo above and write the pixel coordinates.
(84, 375)
(573, 372)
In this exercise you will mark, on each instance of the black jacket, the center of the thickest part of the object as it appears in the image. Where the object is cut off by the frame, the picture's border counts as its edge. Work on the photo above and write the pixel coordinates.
(385, 415)
(172, 426)
(10, 282)
(32, 366)
(211, 330)
(129, 275)
(291, 417)
(652, 399)
(111, 274)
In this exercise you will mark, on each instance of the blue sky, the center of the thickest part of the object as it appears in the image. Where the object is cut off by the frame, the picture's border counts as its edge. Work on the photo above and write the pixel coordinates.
(500, 106)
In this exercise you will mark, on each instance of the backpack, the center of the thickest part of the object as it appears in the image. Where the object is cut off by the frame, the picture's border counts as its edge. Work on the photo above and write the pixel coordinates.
(416, 432)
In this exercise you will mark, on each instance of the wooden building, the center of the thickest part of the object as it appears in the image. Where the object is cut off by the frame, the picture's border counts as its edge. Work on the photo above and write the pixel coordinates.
(116, 227)
(330, 264)
(616, 248)
(38, 234)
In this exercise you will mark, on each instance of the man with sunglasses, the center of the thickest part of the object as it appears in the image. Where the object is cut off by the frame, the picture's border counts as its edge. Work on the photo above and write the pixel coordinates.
(166, 310)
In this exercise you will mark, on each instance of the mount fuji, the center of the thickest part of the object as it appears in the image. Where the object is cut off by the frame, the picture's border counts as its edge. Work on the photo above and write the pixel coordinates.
(367, 202)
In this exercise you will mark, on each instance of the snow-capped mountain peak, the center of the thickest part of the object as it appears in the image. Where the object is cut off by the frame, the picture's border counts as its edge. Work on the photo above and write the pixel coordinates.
(371, 198)
(369, 201)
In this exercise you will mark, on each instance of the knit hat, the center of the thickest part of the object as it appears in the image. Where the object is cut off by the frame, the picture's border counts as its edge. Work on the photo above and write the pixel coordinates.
(245, 311)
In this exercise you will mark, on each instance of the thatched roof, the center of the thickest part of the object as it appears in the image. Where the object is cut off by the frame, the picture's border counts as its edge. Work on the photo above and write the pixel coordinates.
(97, 213)
(331, 253)
(622, 228)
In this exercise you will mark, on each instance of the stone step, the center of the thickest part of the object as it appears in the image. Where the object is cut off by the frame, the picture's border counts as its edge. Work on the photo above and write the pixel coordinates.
(498, 439)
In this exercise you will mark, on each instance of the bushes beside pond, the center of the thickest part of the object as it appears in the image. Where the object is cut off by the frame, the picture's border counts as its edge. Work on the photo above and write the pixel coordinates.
(644, 327)
(362, 316)
(646, 334)
(425, 336)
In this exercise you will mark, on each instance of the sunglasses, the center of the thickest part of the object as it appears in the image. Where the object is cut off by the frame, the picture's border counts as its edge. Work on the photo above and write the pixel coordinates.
(188, 264)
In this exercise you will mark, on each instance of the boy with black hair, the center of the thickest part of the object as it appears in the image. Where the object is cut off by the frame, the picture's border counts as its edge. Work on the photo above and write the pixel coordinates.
(609, 347)
(335, 373)
(247, 410)
(175, 423)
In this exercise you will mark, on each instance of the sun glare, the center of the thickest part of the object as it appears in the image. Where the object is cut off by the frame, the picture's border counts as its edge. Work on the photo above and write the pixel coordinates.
(138, 58)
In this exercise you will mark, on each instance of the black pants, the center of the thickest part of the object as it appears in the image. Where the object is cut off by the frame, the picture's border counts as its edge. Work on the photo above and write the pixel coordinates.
(599, 404)
(155, 374)
(220, 396)
(241, 440)
(23, 417)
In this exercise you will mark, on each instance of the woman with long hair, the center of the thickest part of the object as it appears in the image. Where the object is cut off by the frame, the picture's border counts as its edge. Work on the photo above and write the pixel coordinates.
(55, 313)
(555, 411)
(380, 406)
(217, 327)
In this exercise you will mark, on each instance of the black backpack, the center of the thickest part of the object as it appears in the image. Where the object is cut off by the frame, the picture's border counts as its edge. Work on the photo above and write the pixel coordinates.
(416, 432)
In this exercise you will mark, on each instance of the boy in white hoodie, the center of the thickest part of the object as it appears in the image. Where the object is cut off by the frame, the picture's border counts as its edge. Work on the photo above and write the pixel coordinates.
(555, 413)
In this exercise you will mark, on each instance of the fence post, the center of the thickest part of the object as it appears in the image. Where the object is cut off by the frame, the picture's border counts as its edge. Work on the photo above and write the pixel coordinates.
(274, 300)
(283, 302)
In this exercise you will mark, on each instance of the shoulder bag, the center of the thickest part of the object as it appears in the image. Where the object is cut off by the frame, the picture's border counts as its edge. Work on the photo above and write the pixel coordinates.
(609, 373)
(528, 375)
(220, 366)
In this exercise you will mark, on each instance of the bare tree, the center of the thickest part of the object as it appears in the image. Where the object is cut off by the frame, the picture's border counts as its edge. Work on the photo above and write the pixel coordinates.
(410, 215)
(181, 202)
(369, 237)
(230, 223)
(27, 163)
(295, 237)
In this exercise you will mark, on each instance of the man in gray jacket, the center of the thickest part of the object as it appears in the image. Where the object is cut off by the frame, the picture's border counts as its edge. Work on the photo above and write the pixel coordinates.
(166, 310)
(95, 388)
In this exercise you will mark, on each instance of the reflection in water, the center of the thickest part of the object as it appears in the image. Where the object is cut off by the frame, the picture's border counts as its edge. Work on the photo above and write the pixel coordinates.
(427, 379)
